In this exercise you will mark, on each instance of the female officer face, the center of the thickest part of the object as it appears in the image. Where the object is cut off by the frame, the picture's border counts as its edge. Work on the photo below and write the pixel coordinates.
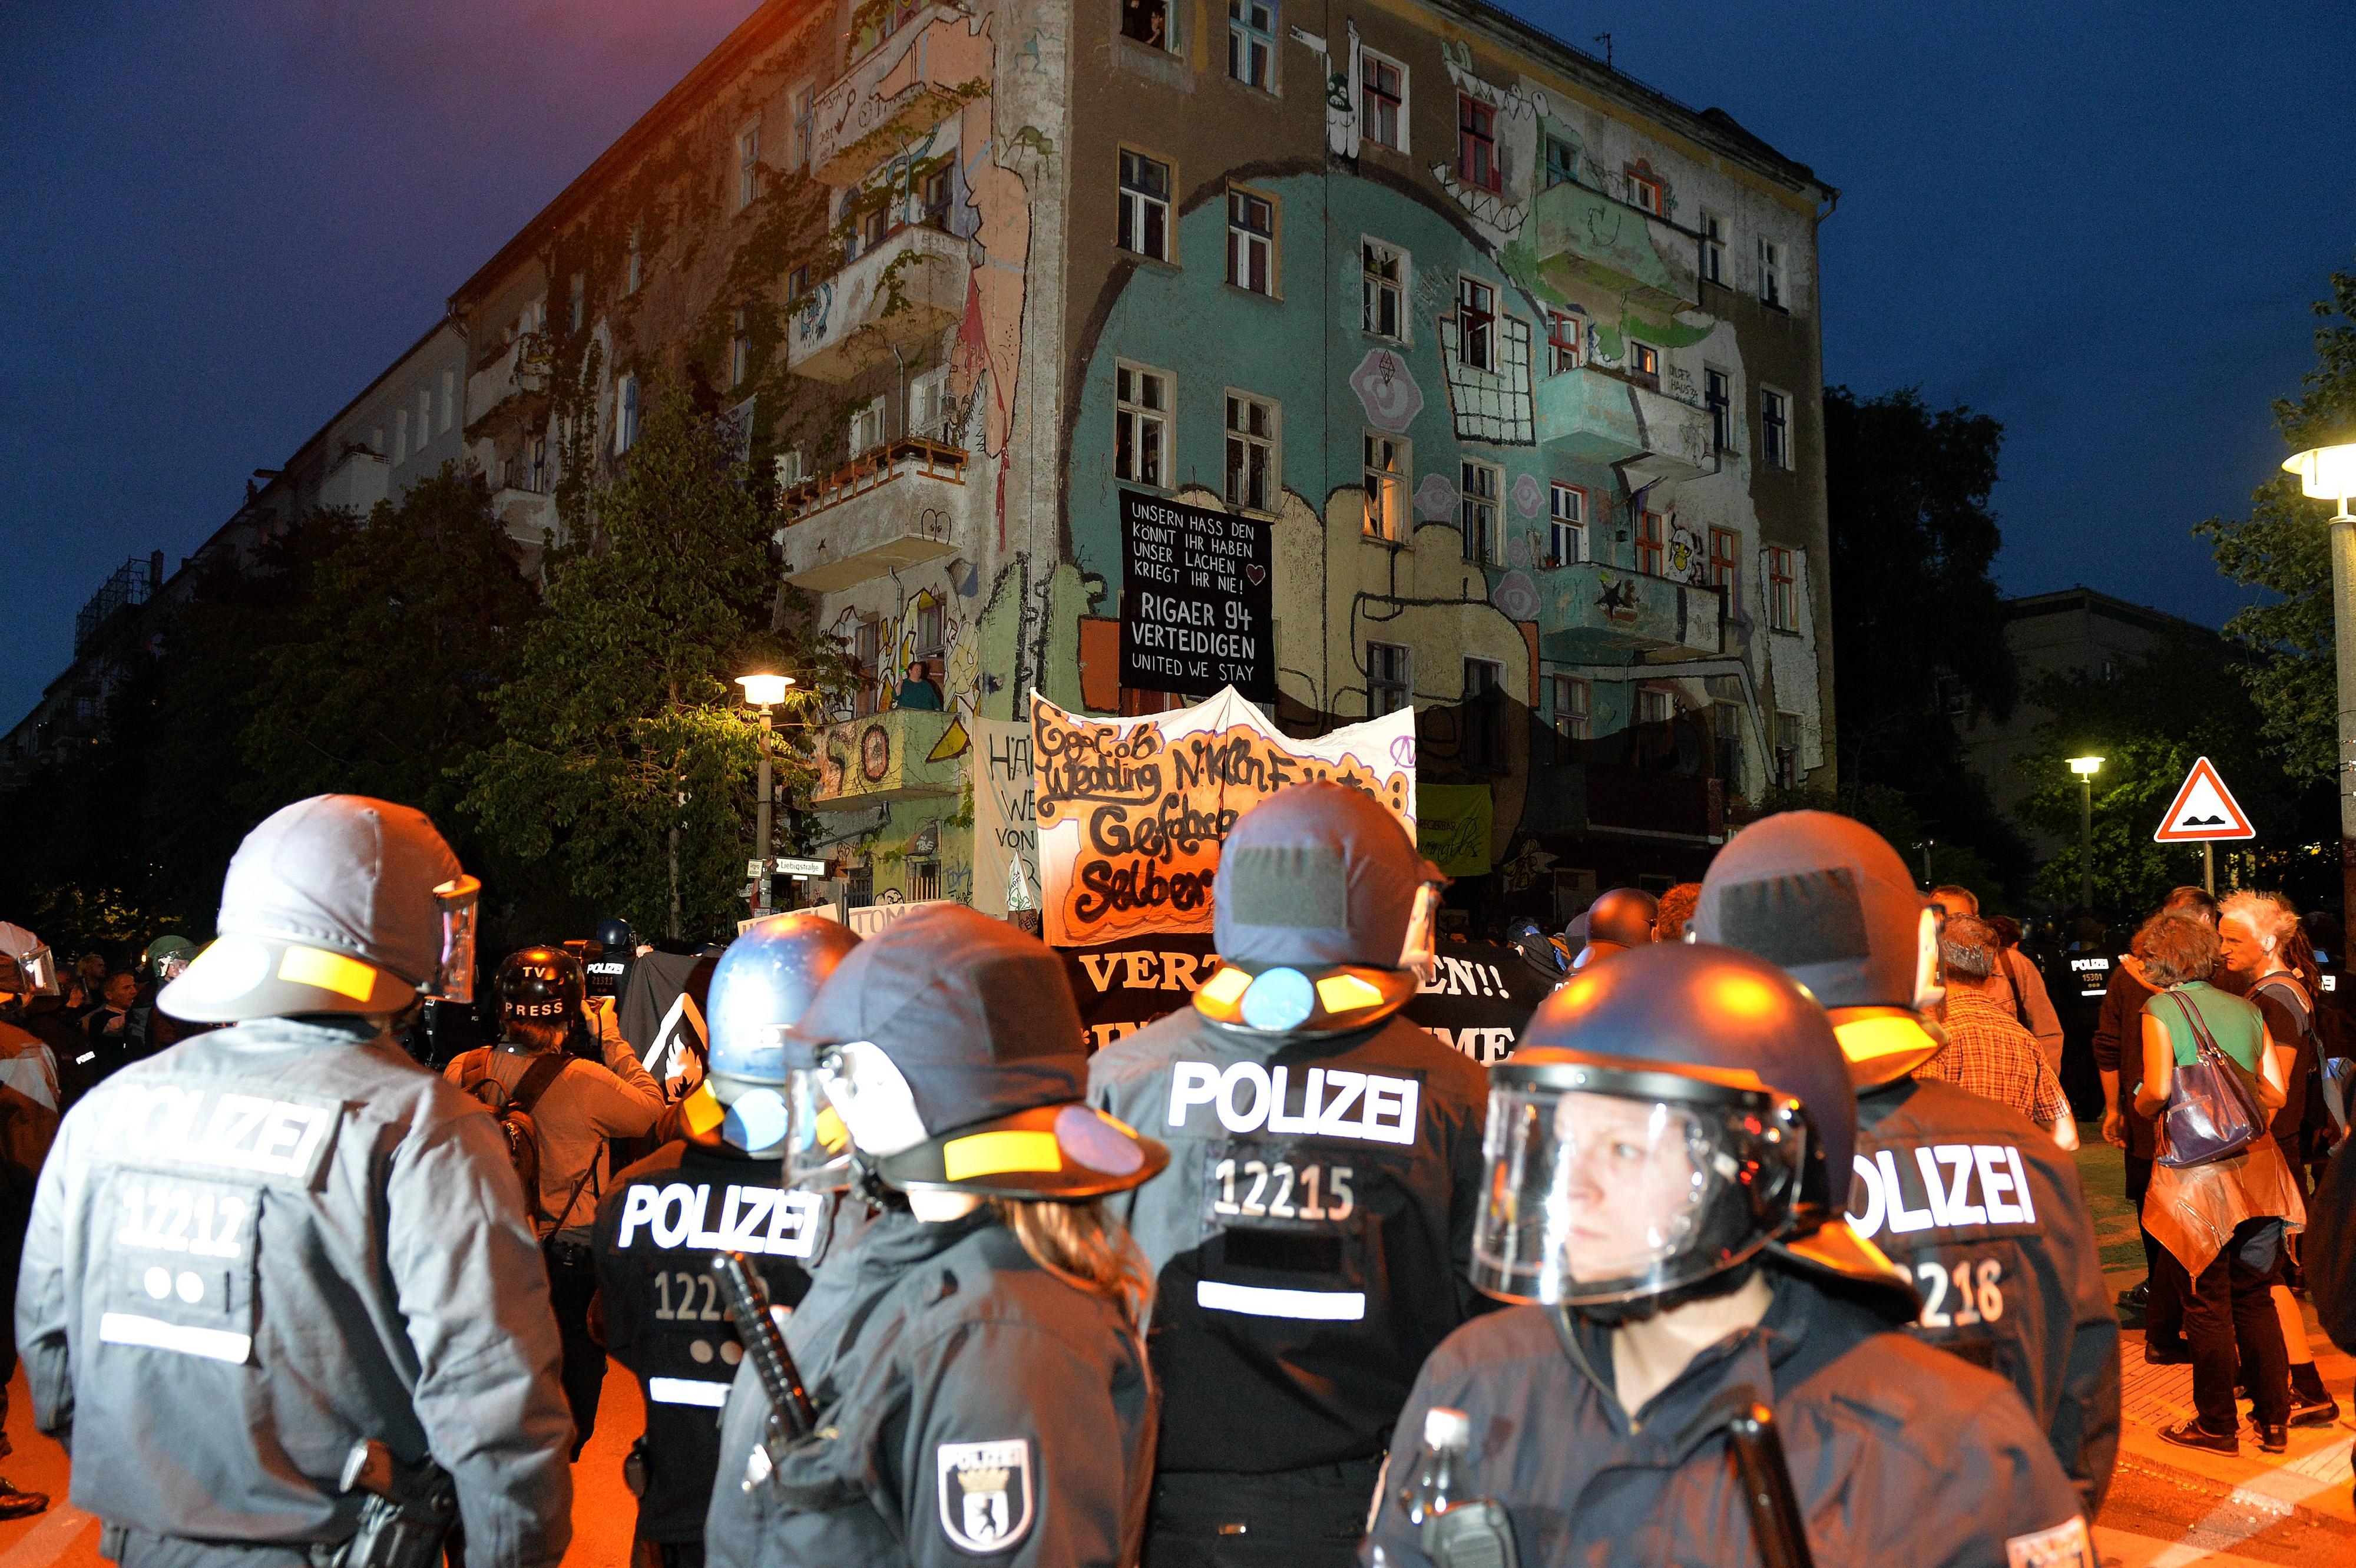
(1629, 1187)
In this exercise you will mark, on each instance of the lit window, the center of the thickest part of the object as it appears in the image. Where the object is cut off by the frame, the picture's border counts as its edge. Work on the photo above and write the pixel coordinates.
(1384, 291)
(1140, 424)
(1770, 274)
(1782, 591)
(1476, 143)
(1252, 41)
(1251, 241)
(1650, 530)
(1713, 247)
(1253, 474)
(1561, 163)
(1382, 102)
(1388, 686)
(1718, 393)
(1477, 512)
(740, 347)
(1566, 341)
(1147, 21)
(1644, 191)
(1567, 507)
(748, 167)
(1776, 428)
(1725, 562)
(1386, 486)
(1477, 323)
(1645, 363)
(1569, 697)
(1144, 206)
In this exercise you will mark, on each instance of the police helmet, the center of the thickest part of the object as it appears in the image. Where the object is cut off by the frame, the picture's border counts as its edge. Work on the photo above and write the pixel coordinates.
(1621, 919)
(1322, 912)
(950, 1045)
(1828, 900)
(614, 935)
(166, 957)
(336, 903)
(540, 985)
(763, 983)
(1668, 1117)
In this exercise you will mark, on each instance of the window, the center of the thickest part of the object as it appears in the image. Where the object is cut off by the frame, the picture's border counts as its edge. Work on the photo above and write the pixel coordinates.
(748, 167)
(934, 195)
(1387, 687)
(1384, 279)
(867, 654)
(1251, 241)
(1718, 393)
(929, 627)
(1477, 323)
(1713, 248)
(1140, 424)
(1725, 563)
(1783, 594)
(1561, 163)
(1566, 340)
(537, 473)
(1144, 206)
(626, 414)
(798, 286)
(424, 416)
(1476, 143)
(1787, 751)
(1484, 712)
(1477, 514)
(1643, 364)
(789, 467)
(1649, 531)
(1770, 274)
(867, 427)
(1776, 428)
(1567, 507)
(1569, 697)
(928, 404)
(1386, 486)
(924, 880)
(1252, 41)
(449, 399)
(875, 227)
(1382, 102)
(859, 884)
(740, 347)
(1253, 475)
(1644, 191)
(1726, 730)
(804, 120)
(400, 435)
(578, 308)
(634, 272)
(1654, 705)
(1147, 21)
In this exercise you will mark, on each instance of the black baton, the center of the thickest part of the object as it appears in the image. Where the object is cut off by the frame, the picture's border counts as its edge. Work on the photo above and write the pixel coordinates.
(748, 1306)
(1767, 1489)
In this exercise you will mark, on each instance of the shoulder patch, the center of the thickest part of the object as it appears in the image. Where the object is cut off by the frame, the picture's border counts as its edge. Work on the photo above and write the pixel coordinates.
(985, 1494)
(2063, 1546)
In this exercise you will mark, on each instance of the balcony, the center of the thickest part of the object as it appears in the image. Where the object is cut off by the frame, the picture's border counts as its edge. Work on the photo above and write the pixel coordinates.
(1601, 613)
(1605, 418)
(521, 366)
(901, 293)
(1584, 236)
(893, 94)
(895, 506)
(526, 516)
(906, 753)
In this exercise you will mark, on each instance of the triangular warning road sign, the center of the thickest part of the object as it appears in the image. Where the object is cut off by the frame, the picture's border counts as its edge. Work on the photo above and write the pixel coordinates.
(2204, 810)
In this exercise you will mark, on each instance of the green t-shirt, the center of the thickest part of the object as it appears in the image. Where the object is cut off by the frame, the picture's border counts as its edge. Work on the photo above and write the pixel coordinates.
(2237, 1026)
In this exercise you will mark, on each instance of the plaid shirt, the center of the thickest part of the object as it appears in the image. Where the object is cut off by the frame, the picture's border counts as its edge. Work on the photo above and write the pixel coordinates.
(1990, 1055)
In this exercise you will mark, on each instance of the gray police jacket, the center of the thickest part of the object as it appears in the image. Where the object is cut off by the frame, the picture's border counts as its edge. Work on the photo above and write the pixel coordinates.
(1310, 1236)
(970, 1404)
(266, 1243)
(1897, 1454)
(1971, 1199)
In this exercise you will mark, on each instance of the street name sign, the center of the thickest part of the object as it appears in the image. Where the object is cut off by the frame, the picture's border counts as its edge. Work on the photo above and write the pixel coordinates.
(2204, 810)
(800, 869)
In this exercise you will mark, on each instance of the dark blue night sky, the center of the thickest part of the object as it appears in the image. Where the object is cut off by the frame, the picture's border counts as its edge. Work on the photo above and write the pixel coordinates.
(2104, 225)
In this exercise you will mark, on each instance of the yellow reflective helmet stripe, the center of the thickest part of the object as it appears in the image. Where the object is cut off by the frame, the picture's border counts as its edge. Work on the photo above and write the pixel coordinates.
(328, 972)
(995, 1154)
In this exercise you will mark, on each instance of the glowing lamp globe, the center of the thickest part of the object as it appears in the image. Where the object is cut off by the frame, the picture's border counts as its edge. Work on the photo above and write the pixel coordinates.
(2086, 766)
(2326, 473)
(764, 691)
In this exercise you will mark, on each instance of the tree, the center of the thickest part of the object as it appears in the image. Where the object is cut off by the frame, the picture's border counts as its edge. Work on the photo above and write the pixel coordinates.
(624, 748)
(1918, 623)
(2284, 547)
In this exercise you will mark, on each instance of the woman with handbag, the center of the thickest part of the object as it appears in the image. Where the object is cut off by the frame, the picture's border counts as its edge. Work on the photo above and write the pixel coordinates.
(2221, 1193)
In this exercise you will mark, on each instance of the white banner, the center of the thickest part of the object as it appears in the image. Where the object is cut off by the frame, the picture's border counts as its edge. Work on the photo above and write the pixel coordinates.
(1005, 829)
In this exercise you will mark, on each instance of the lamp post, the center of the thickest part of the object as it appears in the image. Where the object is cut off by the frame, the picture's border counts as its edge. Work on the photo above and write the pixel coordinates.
(2329, 474)
(2085, 767)
(763, 692)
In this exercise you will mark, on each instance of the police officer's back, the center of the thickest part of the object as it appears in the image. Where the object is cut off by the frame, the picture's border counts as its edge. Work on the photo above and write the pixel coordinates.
(718, 1186)
(280, 1237)
(1970, 1197)
(1669, 1149)
(1310, 1237)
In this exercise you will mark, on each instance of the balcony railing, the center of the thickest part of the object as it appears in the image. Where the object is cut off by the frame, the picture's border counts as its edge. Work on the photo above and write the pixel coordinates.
(899, 754)
(1603, 612)
(1606, 418)
(894, 506)
(905, 290)
(871, 470)
(1585, 235)
(892, 94)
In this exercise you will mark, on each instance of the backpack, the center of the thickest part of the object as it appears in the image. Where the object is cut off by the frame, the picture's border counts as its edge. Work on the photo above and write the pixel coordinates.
(512, 1107)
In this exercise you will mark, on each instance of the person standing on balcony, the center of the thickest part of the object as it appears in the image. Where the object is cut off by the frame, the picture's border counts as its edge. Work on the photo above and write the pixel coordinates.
(917, 690)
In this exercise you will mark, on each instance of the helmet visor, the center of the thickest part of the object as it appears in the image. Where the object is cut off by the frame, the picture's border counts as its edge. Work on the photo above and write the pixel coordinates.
(453, 977)
(1595, 1195)
(818, 1145)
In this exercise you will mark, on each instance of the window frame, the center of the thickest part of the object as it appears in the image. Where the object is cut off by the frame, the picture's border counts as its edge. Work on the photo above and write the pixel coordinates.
(802, 104)
(1395, 681)
(1568, 507)
(1711, 239)
(1242, 33)
(1477, 164)
(1472, 318)
(625, 413)
(1717, 396)
(1770, 274)
(1573, 719)
(748, 166)
(1268, 443)
(1484, 741)
(1645, 363)
(1642, 184)
(1725, 563)
(1565, 354)
(1143, 415)
(1390, 481)
(1477, 514)
(633, 271)
(1655, 706)
(1240, 198)
(1167, 10)
(740, 346)
(1783, 590)
(1398, 105)
(1789, 738)
(1776, 428)
(1552, 173)
(876, 412)
(1652, 543)
(1146, 203)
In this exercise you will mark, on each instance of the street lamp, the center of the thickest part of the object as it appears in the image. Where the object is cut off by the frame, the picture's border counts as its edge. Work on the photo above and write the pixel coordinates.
(764, 691)
(2085, 767)
(2329, 474)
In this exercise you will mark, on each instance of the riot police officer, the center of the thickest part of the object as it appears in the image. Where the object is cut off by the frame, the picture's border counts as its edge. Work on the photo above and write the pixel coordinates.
(1310, 1236)
(1669, 1151)
(280, 1238)
(720, 1183)
(973, 1356)
(147, 1031)
(1621, 919)
(1967, 1195)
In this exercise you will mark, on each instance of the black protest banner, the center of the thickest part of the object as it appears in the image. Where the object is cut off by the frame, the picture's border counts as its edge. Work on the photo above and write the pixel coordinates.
(1196, 600)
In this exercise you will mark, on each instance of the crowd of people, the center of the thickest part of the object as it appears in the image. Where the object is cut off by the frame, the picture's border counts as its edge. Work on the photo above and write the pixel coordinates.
(1765, 1245)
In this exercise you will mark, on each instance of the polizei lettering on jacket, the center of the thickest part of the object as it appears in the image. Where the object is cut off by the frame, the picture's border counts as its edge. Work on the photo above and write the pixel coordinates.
(1940, 1187)
(280, 1137)
(751, 1218)
(1334, 1103)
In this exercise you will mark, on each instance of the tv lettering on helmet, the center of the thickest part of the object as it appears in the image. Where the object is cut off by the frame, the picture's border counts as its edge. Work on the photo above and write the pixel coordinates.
(755, 1220)
(1332, 1102)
